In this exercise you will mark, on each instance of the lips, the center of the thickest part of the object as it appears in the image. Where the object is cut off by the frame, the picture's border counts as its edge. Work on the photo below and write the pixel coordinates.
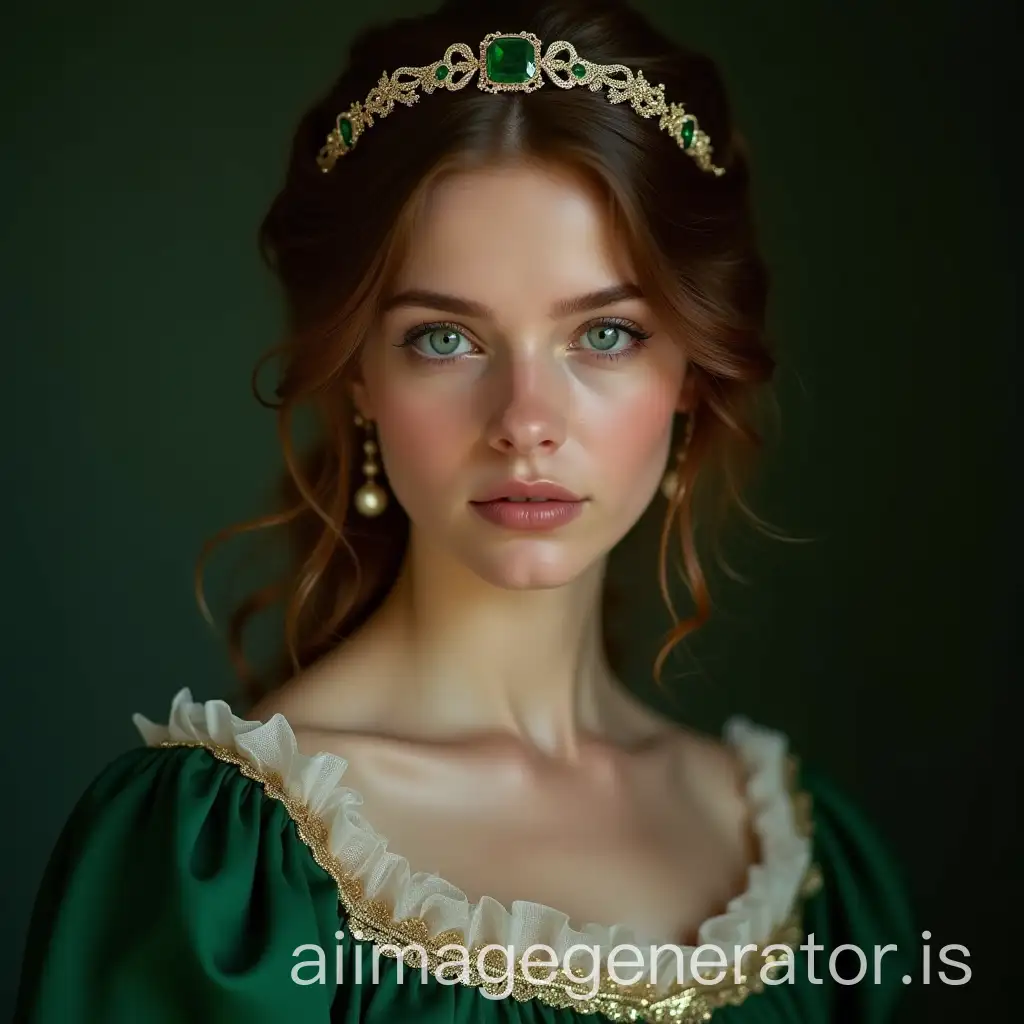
(538, 505)
(526, 491)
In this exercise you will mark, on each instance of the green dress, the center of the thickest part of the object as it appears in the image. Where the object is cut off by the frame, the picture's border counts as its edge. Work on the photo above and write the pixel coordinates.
(217, 874)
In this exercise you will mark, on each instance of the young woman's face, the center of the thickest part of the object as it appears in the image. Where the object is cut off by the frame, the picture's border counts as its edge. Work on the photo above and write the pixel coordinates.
(515, 351)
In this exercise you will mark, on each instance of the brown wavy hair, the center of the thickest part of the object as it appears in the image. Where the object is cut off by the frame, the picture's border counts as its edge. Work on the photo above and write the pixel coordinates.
(335, 240)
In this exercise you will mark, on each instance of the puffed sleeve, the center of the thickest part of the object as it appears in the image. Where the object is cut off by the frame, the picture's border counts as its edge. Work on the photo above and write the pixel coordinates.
(863, 901)
(178, 891)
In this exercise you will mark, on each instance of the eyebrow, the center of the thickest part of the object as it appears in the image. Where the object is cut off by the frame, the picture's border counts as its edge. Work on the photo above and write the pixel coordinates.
(466, 307)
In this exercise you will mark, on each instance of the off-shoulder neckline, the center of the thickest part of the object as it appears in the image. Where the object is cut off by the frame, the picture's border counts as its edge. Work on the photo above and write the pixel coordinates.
(371, 876)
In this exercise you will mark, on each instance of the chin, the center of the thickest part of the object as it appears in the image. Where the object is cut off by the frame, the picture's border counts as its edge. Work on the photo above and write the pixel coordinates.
(529, 565)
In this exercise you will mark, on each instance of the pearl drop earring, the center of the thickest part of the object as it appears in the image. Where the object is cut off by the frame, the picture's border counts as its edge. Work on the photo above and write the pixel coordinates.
(371, 499)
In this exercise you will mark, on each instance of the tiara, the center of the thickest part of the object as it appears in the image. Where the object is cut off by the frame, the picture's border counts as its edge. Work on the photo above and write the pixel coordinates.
(512, 62)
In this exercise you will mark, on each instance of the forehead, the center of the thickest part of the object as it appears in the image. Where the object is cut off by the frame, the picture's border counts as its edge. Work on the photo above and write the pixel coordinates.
(514, 234)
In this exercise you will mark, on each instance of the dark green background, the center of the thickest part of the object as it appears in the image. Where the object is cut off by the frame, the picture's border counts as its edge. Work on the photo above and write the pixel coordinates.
(141, 145)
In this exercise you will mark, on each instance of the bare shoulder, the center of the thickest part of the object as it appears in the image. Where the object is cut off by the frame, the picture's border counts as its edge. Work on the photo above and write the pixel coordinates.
(713, 766)
(295, 701)
(708, 775)
(702, 771)
(708, 760)
(331, 695)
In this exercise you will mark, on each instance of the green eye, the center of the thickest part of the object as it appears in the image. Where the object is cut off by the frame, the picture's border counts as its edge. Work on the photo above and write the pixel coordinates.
(443, 341)
(604, 337)
(439, 341)
(612, 338)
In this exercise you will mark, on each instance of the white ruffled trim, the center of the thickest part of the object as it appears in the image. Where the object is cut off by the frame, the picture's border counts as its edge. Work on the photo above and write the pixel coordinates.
(773, 886)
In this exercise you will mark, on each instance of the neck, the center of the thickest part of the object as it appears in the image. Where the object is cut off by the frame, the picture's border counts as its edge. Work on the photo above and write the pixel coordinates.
(471, 658)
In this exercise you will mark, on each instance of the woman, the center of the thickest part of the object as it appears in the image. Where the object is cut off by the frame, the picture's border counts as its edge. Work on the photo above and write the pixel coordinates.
(525, 302)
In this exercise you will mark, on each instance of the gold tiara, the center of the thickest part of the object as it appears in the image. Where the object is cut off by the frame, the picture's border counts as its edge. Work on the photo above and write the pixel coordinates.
(512, 62)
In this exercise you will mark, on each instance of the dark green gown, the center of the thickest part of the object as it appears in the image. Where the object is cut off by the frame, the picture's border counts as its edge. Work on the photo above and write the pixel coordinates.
(194, 870)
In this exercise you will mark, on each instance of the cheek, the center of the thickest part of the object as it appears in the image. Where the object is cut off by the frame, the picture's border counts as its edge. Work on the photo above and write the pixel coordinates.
(421, 438)
(629, 433)
(635, 440)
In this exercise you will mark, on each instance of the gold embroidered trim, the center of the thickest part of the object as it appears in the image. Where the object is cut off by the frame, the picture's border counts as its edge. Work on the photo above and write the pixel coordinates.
(371, 920)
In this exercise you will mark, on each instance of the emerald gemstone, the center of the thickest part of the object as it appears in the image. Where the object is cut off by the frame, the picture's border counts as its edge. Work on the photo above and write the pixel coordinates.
(687, 130)
(579, 70)
(441, 73)
(346, 130)
(511, 59)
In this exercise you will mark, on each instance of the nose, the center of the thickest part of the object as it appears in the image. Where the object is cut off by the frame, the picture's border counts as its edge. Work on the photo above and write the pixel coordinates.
(531, 410)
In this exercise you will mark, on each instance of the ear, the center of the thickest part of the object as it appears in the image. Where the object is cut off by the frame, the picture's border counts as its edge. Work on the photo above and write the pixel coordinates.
(687, 393)
(360, 394)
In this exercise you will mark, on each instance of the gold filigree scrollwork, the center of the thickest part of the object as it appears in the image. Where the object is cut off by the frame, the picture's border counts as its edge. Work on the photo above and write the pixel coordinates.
(381, 99)
(456, 74)
(556, 67)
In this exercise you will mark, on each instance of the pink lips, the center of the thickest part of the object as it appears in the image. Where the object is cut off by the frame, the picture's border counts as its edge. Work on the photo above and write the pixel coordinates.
(518, 505)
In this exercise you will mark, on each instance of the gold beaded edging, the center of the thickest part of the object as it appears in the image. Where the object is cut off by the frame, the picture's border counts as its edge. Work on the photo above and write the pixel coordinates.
(564, 68)
(371, 920)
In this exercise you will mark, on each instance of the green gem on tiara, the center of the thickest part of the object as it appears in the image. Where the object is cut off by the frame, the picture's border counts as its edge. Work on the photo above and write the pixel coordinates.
(579, 70)
(689, 126)
(511, 59)
(441, 73)
(345, 127)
